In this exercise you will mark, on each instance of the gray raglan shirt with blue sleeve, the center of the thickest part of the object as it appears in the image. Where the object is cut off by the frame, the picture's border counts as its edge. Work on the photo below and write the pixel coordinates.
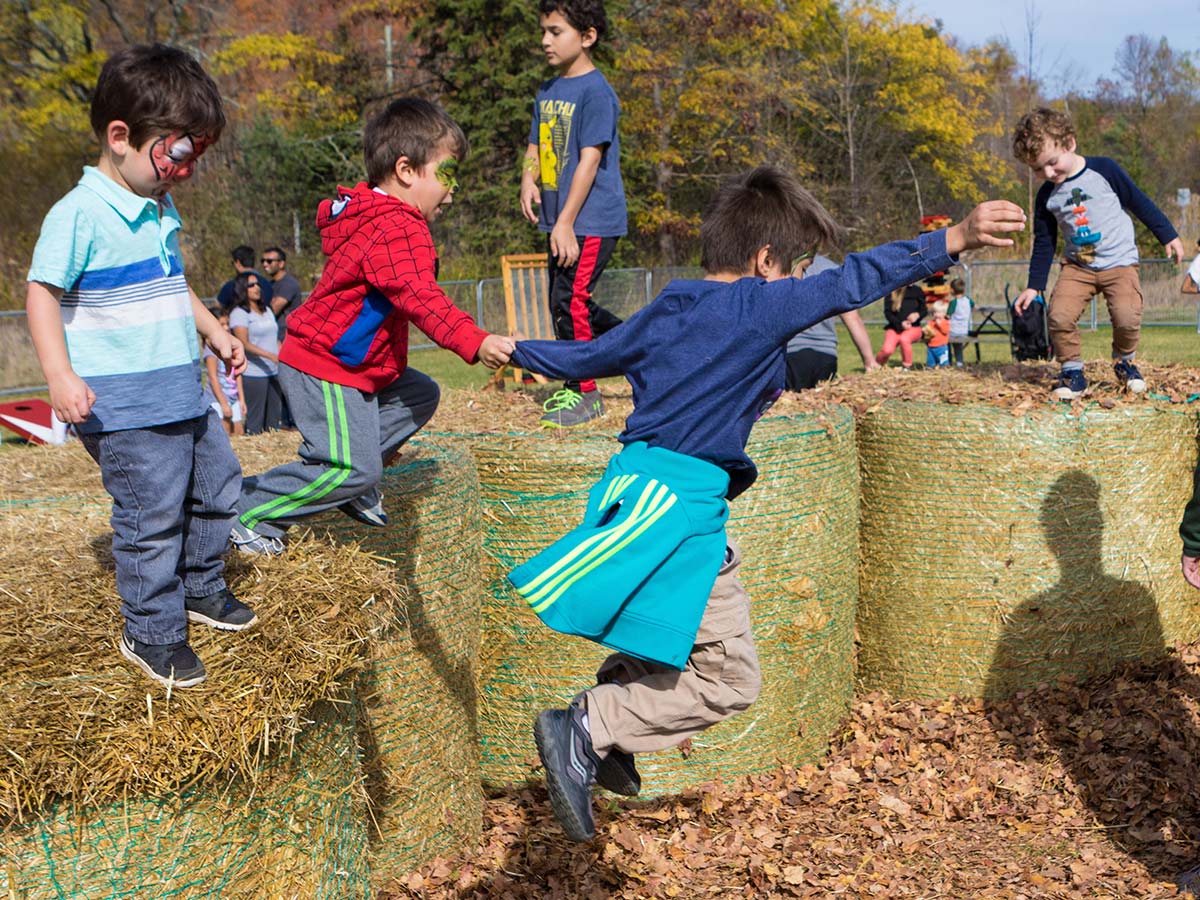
(1090, 209)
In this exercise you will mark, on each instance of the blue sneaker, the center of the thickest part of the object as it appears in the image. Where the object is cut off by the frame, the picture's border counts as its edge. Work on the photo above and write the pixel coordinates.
(367, 509)
(567, 408)
(221, 610)
(247, 540)
(1129, 376)
(617, 773)
(1071, 384)
(172, 665)
(565, 748)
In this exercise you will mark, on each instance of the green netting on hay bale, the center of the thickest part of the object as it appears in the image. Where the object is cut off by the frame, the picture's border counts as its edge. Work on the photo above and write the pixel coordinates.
(417, 701)
(1003, 550)
(299, 832)
(798, 531)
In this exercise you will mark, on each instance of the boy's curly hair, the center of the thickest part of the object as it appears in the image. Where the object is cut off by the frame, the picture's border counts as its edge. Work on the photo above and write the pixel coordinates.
(1038, 129)
(580, 14)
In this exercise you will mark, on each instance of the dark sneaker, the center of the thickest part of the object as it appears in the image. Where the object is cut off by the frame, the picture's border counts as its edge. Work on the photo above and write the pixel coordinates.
(568, 407)
(565, 747)
(173, 665)
(221, 610)
(1129, 376)
(247, 540)
(367, 509)
(617, 773)
(1071, 384)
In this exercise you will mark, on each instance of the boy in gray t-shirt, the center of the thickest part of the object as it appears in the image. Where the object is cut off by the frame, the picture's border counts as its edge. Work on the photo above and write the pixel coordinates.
(1086, 197)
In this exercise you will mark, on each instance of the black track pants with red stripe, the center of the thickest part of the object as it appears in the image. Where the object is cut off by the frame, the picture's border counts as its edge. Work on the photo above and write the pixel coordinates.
(574, 314)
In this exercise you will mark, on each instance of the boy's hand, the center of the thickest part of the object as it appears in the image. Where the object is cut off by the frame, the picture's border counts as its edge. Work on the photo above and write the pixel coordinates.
(496, 350)
(980, 226)
(564, 245)
(1175, 250)
(1023, 300)
(530, 194)
(71, 398)
(229, 350)
(1191, 570)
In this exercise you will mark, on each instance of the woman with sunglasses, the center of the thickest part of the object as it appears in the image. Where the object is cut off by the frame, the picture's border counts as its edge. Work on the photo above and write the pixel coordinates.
(254, 325)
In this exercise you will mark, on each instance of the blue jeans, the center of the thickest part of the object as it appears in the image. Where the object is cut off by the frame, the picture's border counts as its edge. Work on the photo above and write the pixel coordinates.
(937, 357)
(173, 489)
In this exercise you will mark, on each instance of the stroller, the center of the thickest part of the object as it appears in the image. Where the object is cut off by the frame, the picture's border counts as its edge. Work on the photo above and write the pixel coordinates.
(1028, 333)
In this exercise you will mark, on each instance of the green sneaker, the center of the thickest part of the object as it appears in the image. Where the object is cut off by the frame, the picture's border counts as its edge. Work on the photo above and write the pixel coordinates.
(568, 407)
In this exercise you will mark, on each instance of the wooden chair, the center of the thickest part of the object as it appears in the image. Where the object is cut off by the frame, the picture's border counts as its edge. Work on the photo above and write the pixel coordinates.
(526, 306)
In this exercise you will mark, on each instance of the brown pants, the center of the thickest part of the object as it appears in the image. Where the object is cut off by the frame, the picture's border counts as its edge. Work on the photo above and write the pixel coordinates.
(1074, 290)
(640, 706)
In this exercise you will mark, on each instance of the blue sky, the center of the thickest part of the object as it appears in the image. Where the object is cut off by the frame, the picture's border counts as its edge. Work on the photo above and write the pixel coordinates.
(1074, 41)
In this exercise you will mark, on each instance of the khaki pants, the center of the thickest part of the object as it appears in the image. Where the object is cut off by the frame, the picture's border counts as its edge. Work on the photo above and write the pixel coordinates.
(1074, 290)
(640, 706)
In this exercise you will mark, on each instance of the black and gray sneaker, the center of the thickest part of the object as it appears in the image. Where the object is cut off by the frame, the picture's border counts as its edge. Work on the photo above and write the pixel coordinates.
(565, 747)
(173, 665)
(367, 509)
(617, 773)
(1129, 376)
(221, 610)
(567, 408)
(247, 540)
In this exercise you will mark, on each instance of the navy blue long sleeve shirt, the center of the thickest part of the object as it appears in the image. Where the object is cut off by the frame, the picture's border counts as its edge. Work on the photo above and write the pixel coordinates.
(706, 358)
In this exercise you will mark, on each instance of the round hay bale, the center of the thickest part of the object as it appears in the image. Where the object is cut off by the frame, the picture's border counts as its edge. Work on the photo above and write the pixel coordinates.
(417, 700)
(299, 831)
(798, 531)
(1006, 548)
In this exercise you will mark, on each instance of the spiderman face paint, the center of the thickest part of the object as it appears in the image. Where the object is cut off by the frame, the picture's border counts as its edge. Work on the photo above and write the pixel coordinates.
(174, 156)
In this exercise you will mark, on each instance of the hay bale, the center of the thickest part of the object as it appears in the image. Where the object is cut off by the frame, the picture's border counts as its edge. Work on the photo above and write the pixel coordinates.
(297, 830)
(1002, 549)
(417, 700)
(797, 528)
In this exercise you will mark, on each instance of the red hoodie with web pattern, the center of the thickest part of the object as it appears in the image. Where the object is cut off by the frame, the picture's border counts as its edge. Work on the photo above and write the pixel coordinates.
(381, 274)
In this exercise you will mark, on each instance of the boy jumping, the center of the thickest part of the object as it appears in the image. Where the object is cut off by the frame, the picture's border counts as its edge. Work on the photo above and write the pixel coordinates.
(649, 572)
(574, 151)
(1086, 197)
(114, 325)
(344, 362)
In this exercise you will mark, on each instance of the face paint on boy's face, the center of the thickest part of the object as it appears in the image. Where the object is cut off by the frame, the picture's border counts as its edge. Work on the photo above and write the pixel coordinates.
(446, 173)
(174, 156)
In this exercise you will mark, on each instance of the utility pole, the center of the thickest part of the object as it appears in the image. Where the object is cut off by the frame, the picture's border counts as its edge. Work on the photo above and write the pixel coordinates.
(387, 52)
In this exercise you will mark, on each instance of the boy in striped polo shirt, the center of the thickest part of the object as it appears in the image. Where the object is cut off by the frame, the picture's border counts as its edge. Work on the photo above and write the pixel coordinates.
(114, 325)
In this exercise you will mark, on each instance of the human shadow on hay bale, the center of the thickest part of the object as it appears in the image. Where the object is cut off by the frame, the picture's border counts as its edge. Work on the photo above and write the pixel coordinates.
(1081, 685)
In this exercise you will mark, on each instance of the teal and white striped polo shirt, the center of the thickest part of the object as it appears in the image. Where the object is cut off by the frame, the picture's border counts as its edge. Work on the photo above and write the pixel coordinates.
(127, 314)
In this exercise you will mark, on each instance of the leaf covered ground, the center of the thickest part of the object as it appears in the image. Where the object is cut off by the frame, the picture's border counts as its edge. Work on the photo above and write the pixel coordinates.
(1069, 791)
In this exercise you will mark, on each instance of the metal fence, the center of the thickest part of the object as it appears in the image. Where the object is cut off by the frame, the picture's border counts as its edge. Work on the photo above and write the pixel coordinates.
(625, 291)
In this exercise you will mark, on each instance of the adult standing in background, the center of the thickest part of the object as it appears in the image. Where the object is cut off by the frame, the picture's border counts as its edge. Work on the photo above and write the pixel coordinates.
(242, 257)
(812, 355)
(284, 286)
(253, 324)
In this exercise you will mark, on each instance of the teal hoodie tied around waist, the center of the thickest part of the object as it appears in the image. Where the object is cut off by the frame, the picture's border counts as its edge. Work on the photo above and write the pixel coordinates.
(636, 574)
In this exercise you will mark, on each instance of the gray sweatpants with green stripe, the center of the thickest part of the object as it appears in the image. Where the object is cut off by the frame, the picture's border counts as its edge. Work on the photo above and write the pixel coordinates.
(348, 436)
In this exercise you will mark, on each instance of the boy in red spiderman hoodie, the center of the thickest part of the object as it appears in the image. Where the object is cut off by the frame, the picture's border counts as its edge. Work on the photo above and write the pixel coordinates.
(344, 361)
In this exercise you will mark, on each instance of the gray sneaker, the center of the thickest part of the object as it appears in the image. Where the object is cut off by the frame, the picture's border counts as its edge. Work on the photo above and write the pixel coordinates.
(565, 748)
(568, 407)
(247, 540)
(367, 509)
(172, 665)
(617, 773)
(221, 610)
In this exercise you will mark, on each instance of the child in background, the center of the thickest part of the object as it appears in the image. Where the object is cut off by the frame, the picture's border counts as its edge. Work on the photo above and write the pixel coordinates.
(225, 385)
(114, 324)
(344, 364)
(574, 152)
(937, 336)
(650, 572)
(1086, 197)
(959, 314)
(903, 310)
